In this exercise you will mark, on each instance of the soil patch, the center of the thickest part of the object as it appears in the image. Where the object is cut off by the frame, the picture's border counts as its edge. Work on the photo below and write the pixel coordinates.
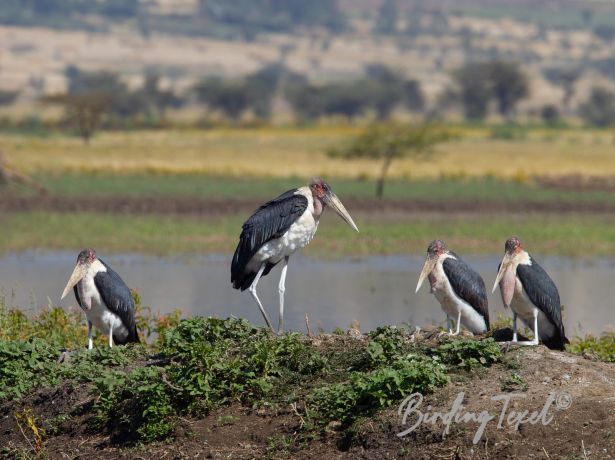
(220, 207)
(581, 420)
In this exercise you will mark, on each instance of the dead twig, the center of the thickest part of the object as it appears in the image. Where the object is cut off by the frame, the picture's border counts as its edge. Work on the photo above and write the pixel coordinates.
(169, 384)
(307, 326)
(294, 408)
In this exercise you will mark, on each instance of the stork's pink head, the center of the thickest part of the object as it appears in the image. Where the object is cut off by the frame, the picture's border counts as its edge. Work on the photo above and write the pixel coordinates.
(87, 256)
(84, 261)
(513, 245)
(326, 196)
(436, 248)
(319, 188)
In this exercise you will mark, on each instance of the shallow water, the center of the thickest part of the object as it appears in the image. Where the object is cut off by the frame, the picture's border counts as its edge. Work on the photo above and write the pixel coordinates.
(374, 290)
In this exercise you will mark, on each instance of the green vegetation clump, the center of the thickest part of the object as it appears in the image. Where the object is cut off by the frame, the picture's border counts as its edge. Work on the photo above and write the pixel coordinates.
(208, 362)
(29, 364)
(467, 354)
(601, 348)
(56, 326)
(195, 366)
(364, 393)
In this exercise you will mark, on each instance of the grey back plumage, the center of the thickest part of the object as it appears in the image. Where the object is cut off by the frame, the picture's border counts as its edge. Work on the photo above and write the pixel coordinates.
(270, 221)
(467, 284)
(118, 299)
(543, 293)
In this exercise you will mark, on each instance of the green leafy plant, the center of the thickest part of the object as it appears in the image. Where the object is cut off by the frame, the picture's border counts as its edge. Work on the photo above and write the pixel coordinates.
(367, 392)
(468, 353)
(513, 382)
(601, 348)
(387, 343)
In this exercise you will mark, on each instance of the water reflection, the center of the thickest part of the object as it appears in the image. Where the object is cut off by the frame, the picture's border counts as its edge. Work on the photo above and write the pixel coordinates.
(373, 291)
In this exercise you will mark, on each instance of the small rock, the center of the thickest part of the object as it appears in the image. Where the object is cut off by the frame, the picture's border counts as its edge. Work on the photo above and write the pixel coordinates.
(334, 425)
(566, 377)
(354, 333)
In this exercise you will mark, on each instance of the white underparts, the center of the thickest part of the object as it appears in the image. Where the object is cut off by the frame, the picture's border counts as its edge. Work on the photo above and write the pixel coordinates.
(451, 303)
(94, 307)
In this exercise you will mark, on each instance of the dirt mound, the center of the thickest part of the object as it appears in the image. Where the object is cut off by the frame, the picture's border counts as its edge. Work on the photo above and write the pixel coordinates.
(578, 422)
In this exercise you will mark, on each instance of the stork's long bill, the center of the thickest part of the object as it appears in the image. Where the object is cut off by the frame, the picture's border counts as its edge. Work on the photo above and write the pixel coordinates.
(504, 267)
(428, 266)
(331, 199)
(78, 274)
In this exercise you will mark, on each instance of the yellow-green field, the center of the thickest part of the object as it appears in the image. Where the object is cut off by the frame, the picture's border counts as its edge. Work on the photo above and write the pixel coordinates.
(259, 163)
(285, 152)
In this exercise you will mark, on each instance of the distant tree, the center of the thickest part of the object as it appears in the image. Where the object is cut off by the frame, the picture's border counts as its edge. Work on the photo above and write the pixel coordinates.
(230, 97)
(84, 111)
(119, 9)
(8, 97)
(261, 87)
(386, 23)
(413, 95)
(474, 91)
(122, 102)
(341, 98)
(550, 114)
(599, 109)
(509, 85)
(387, 89)
(566, 78)
(255, 15)
(499, 80)
(157, 99)
(605, 32)
(390, 141)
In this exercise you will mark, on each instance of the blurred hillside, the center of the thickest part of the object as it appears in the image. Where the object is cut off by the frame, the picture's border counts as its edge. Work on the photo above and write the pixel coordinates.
(563, 47)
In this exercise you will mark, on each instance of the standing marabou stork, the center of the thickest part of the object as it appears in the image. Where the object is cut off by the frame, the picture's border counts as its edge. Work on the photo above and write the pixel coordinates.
(275, 231)
(531, 295)
(105, 299)
(459, 289)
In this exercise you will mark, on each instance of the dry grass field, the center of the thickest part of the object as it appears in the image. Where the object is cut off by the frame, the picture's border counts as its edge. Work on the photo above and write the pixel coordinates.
(301, 152)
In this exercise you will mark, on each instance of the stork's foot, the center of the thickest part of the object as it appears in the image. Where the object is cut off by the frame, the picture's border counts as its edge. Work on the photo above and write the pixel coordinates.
(529, 343)
(507, 345)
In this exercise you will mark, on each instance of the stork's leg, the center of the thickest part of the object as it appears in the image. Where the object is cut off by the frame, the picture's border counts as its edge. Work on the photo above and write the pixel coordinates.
(252, 290)
(458, 323)
(449, 324)
(111, 335)
(535, 340)
(90, 343)
(282, 288)
(514, 339)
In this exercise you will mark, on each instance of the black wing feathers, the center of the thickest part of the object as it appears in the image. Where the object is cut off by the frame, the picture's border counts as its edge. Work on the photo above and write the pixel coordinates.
(118, 299)
(542, 291)
(467, 284)
(269, 221)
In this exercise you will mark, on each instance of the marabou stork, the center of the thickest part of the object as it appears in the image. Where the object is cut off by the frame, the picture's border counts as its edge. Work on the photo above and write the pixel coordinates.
(275, 231)
(531, 295)
(105, 299)
(459, 289)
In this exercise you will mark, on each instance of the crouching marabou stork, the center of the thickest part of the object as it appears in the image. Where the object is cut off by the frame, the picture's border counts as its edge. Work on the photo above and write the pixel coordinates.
(105, 299)
(459, 289)
(531, 295)
(275, 231)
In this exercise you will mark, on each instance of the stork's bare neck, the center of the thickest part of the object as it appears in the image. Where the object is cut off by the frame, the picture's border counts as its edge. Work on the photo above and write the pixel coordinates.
(323, 195)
